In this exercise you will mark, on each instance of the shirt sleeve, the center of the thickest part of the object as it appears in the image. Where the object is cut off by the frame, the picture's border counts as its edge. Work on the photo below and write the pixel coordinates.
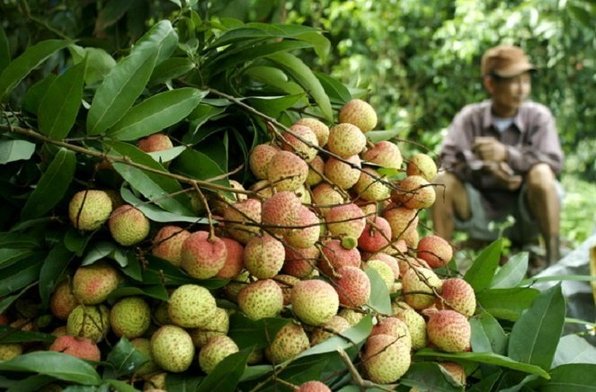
(541, 145)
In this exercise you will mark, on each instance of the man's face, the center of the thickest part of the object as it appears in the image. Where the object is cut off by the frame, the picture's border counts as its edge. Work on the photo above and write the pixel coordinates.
(509, 93)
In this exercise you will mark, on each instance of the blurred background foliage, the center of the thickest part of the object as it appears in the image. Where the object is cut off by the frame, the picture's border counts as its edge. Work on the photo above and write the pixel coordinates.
(417, 62)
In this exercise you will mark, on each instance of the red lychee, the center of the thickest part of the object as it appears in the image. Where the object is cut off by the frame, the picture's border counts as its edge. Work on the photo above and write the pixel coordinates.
(376, 234)
(77, 347)
(203, 255)
(352, 286)
(458, 295)
(259, 158)
(434, 250)
(448, 330)
(385, 154)
(167, 243)
(287, 171)
(343, 173)
(302, 141)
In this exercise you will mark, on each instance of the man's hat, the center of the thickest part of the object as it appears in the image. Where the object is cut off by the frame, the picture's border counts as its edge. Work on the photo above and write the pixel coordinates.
(505, 61)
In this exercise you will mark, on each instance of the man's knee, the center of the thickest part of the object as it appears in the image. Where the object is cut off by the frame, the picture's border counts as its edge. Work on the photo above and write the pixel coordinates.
(541, 178)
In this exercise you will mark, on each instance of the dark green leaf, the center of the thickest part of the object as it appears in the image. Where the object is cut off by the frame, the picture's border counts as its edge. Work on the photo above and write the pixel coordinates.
(98, 251)
(163, 36)
(303, 75)
(154, 291)
(20, 67)
(535, 335)
(486, 358)
(274, 77)
(377, 136)
(11, 335)
(428, 376)
(506, 304)
(208, 169)
(52, 185)
(273, 106)
(156, 214)
(486, 383)
(63, 366)
(52, 270)
(337, 91)
(8, 300)
(487, 334)
(183, 382)
(15, 150)
(76, 241)
(203, 113)
(170, 69)
(14, 239)
(574, 349)
(512, 273)
(35, 94)
(99, 62)
(572, 377)
(10, 256)
(379, 299)
(121, 386)
(480, 274)
(227, 373)
(248, 333)
(18, 276)
(111, 13)
(124, 358)
(31, 384)
(156, 113)
(167, 155)
(301, 370)
(4, 50)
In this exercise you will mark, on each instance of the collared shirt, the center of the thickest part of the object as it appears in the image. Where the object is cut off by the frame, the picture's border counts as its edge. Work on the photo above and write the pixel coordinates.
(530, 139)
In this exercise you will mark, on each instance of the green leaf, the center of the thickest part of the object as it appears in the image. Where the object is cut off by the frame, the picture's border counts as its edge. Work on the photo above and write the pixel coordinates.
(124, 358)
(486, 383)
(15, 150)
(99, 62)
(248, 333)
(157, 291)
(487, 334)
(10, 256)
(113, 11)
(480, 274)
(535, 335)
(572, 377)
(4, 50)
(428, 376)
(574, 349)
(304, 76)
(98, 251)
(512, 273)
(156, 113)
(52, 185)
(379, 299)
(18, 276)
(351, 337)
(486, 358)
(163, 36)
(171, 68)
(11, 335)
(16, 240)
(274, 77)
(183, 382)
(156, 214)
(35, 93)
(208, 169)
(58, 109)
(338, 93)
(168, 155)
(506, 304)
(227, 373)
(378, 136)
(52, 270)
(20, 67)
(31, 384)
(63, 367)
(273, 106)
(120, 386)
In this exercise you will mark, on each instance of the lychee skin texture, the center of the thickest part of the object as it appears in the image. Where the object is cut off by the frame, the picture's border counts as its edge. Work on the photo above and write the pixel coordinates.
(385, 154)
(331, 328)
(395, 327)
(352, 286)
(191, 306)
(435, 250)
(307, 229)
(234, 259)
(359, 113)
(313, 386)
(415, 323)
(384, 270)
(215, 351)
(418, 284)
(319, 128)
(385, 358)
(345, 220)
(300, 262)
(128, 225)
(91, 284)
(346, 140)
(458, 295)
(344, 174)
(376, 234)
(422, 165)
(172, 348)
(219, 324)
(449, 331)
(334, 256)
(62, 301)
(143, 345)
(167, 244)
(289, 341)
(89, 209)
(314, 301)
(302, 141)
(155, 142)
(130, 317)
(371, 186)
(401, 220)
(287, 171)
(91, 322)
(260, 299)
(280, 211)
(325, 196)
(259, 158)
(414, 192)
(315, 170)
(202, 255)
(82, 348)
(264, 256)
(242, 219)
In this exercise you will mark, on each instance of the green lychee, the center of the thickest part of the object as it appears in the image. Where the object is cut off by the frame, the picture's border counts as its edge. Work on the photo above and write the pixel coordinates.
(287, 171)
(346, 140)
(314, 301)
(143, 345)
(260, 299)
(264, 256)
(318, 127)
(385, 358)
(422, 165)
(219, 324)
(89, 209)
(302, 141)
(242, 219)
(172, 348)
(191, 306)
(415, 322)
(419, 287)
(343, 173)
(91, 322)
(9, 351)
(128, 225)
(216, 350)
(130, 317)
(331, 328)
(289, 341)
(359, 113)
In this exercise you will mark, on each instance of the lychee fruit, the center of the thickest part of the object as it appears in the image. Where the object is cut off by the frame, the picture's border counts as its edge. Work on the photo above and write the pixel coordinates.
(63, 301)
(346, 220)
(242, 219)
(128, 225)
(306, 231)
(334, 256)
(216, 350)
(219, 324)
(415, 322)
(89, 209)
(313, 386)
(301, 140)
(384, 270)
(264, 256)
(331, 328)
(79, 347)
(191, 306)
(289, 341)
(346, 140)
(376, 234)
(318, 127)
(385, 154)
(172, 348)
(326, 196)
(280, 211)
(436, 251)
(155, 142)
(316, 168)
(167, 244)
(91, 284)
(9, 351)
(371, 186)
(91, 322)
(401, 221)
(203, 255)
(287, 171)
(458, 295)
(423, 165)
(260, 299)
(359, 113)
(393, 326)
(234, 259)
(352, 286)
(343, 173)
(351, 315)
(448, 330)
(286, 282)
(419, 286)
(143, 346)
(259, 158)
(314, 301)
(300, 262)
(385, 358)
(414, 192)
(130, 317)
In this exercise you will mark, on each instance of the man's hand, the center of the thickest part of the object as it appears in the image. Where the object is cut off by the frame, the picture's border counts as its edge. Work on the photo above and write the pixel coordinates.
(504, 175)
(489, 149)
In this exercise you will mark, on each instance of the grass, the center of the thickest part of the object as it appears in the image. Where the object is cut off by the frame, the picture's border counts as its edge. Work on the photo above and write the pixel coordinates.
(578, 210)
